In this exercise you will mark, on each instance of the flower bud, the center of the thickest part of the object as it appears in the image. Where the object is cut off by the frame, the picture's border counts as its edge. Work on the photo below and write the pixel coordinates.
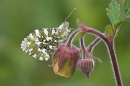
(65, 59)
(85, 66)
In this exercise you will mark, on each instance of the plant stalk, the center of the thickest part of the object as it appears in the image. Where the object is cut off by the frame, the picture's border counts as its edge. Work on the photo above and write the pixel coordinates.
(93, 44)
(110, 45)
(71, 37)
(86, 54)
(114, 62)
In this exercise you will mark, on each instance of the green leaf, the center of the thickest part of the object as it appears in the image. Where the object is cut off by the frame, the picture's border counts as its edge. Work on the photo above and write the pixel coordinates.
(79, 35)
(118, 14)
(109, 32)
(113, 12)
(125, 11)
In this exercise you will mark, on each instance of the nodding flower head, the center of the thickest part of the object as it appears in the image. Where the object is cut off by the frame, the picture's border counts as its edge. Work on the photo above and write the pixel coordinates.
(65, 59)
(85, 66)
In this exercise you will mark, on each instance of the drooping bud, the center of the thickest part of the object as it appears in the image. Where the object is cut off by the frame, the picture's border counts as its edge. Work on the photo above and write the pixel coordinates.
(85, 66)
(65, 59)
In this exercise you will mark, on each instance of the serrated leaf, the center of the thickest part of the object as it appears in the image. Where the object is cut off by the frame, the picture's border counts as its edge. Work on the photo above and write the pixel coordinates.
(125, 11)
(109, 32)
(79, 35)
(113, 12)
(116, 14)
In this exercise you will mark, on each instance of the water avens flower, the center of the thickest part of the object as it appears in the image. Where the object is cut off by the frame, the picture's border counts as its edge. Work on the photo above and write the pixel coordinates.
(65, 59)
(85, 66)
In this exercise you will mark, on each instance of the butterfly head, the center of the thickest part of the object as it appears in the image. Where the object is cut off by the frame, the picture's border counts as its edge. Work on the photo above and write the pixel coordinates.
(64, 27)
(65, 24)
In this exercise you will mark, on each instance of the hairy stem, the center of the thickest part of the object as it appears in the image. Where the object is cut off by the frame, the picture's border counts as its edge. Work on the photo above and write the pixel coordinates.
(83, 47)
(110, 45)
(86, 54)
(82, 44)
(71, 37)
(114, 64)
(93, 44)
(93, 31)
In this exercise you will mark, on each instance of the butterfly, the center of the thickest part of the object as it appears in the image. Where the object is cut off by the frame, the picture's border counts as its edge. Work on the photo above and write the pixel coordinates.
(41, 43)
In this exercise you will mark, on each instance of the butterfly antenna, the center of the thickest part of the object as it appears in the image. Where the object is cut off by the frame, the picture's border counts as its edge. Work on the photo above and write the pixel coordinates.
(70, 13)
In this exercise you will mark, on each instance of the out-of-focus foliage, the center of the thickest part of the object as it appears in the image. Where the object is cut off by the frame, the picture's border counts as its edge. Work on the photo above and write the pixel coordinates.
(18, 18)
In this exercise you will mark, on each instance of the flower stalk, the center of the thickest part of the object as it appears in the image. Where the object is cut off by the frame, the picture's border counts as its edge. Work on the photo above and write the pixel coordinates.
(114, 64)
(85, 52)
(110, 45)
(69, 42)
(91, 45)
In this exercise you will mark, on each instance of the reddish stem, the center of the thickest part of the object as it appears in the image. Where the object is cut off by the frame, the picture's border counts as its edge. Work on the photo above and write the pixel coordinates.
(83, 47)
(110, 45)
(114, 63)
(86, 54)
(94, 43)
(71, 37)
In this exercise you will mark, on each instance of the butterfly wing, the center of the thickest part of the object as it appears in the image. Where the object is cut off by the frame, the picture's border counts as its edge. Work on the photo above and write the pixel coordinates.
(42, 42)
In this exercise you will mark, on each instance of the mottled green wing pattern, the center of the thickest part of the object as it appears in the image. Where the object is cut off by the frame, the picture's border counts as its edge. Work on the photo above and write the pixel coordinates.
(42, 42)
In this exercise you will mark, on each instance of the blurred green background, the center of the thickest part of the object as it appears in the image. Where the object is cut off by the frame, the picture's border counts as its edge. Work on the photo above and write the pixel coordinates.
(18, 18)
